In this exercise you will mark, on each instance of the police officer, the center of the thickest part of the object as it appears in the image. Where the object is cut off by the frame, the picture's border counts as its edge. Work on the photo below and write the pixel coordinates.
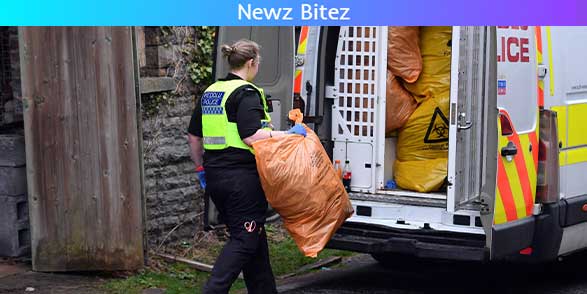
(229, 117)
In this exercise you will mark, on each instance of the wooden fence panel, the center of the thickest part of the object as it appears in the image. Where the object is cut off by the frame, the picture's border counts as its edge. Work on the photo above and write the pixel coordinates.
(83, 152)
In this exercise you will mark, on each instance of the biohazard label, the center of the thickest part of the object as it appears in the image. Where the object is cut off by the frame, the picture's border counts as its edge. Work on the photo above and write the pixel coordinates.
(438, 129)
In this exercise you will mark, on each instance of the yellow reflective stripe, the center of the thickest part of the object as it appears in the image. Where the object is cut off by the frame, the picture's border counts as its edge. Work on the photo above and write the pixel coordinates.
(304, 38)
(578, 155)
(530, 166)
(514, 180)
(549, 44)
(577, 137)
(302, 48)
(298, 72)
(214, 140)
(538, 37)
(499, 210)
(577, 118)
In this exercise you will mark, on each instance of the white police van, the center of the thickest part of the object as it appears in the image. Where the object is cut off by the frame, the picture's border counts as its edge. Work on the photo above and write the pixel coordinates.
(517, 159)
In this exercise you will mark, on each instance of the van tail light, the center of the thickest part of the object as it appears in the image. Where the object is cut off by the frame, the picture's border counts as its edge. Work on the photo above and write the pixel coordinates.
(506, 125)
(547, 190)
(526, 251)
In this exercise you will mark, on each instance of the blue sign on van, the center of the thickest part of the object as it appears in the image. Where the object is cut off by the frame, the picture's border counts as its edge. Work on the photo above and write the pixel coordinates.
(501, 87)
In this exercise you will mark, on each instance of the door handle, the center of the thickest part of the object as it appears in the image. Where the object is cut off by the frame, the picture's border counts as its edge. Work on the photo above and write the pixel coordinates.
(269, 102)
(466, 126)
(509, 150)
(463, 123)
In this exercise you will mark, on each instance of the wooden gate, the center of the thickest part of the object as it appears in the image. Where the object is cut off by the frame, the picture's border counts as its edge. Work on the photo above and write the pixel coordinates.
(83, 168)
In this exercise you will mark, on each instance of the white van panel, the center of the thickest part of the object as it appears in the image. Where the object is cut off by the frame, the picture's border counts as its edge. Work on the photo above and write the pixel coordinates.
(566, 79)
(574, 238)
(361, 159)
(516, 76)
(413, 217)
(576, 181)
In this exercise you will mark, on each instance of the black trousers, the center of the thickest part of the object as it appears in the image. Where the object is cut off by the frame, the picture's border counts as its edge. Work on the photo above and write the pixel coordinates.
(239, 197)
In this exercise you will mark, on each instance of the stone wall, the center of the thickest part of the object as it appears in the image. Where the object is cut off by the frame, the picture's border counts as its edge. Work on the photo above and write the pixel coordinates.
(10, 94)
(173, 195)
(174, 200)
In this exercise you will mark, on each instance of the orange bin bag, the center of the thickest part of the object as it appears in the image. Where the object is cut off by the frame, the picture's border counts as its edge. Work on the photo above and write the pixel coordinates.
(399, 104)
(301, 184)
(403, 52)
(436, 50)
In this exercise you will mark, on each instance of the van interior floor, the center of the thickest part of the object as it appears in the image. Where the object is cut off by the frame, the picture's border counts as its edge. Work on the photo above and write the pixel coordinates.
(404, 197)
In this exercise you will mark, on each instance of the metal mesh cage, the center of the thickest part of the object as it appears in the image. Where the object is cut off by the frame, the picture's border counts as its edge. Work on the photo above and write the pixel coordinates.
(355, 87)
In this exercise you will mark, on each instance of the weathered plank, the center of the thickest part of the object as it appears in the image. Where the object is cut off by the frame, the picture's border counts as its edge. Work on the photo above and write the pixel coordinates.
(82, 148)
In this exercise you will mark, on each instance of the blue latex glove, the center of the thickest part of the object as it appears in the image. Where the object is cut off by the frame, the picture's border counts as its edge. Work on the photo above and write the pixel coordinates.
(297, 129)
(201, 176)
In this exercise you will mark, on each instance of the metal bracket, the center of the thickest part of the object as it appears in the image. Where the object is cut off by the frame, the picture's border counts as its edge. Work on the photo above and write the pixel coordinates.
(464, 124)
(484, 204)
(299, 60)
(542, 71)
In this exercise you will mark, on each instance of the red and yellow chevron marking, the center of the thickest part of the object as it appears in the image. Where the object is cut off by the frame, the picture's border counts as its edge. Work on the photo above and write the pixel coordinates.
(298, 82)
(516, 179)
(303, 40)
(539, 60)
(302, 43)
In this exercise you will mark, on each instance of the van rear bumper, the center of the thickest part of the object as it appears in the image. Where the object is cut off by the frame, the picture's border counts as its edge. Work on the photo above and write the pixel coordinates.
(376, 239)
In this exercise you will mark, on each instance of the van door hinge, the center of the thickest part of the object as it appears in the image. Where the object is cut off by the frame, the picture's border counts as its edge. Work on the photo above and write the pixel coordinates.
(299, 60)
(484, 204)
(329, 92)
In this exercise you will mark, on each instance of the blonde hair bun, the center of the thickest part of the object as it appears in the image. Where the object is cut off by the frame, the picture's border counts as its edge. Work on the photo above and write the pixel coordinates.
(239, 52)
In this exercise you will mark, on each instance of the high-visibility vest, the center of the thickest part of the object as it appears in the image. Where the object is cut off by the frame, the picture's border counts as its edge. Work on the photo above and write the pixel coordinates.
(218, 132)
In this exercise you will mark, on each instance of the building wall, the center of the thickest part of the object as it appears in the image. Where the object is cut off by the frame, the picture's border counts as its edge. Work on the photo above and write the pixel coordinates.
(10, 88)
(173, 195)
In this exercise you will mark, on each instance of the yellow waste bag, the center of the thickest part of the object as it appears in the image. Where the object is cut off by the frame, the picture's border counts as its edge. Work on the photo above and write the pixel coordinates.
(425, 135)
(421, 175)
(300, 183)
(436, 50)
(435, 41)
(422, 147)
